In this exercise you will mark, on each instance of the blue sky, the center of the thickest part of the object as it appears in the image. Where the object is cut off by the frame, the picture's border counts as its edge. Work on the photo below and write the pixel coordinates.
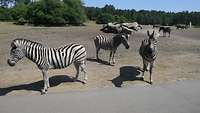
(164, 5)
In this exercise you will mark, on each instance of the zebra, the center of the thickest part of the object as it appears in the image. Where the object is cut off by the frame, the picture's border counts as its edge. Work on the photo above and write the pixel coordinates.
(156, 26)
(181, 26)
(165, 29)
(148, 52)
(102, 42)
(48, 58)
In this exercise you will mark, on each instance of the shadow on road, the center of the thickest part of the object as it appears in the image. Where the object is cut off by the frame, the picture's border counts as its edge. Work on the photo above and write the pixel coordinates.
(99, 61)
(127, 73)
(37, 86)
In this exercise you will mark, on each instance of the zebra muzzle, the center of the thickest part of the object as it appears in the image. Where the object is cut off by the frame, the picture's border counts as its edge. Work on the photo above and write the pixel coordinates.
(127, 47)
(11, 63)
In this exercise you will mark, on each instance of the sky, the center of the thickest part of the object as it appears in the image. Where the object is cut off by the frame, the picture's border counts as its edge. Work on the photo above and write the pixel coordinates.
(160, 5)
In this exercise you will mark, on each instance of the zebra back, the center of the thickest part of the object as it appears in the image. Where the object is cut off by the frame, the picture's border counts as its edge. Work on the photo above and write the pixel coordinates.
(47, 58)
(103, 42)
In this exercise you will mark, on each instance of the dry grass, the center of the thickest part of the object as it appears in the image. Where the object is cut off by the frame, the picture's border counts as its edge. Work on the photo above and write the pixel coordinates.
(178, 59)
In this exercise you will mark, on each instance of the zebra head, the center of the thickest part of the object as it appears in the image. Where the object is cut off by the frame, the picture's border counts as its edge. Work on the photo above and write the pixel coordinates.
(161, 28)
(124, 40)
(16, 53)
(151, 48)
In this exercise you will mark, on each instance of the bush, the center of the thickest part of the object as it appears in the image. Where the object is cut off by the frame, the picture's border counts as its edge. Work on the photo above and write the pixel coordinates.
(21, 21)
(105, 18)
(121, 19)
(56, 13)
(5, 14)
(46, 12)
(74, 13)
(19, 11)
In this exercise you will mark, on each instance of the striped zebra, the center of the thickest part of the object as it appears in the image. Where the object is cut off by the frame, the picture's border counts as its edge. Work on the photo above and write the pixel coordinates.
(102, 42)
(148, 52)
(165, 29)
(48, 58)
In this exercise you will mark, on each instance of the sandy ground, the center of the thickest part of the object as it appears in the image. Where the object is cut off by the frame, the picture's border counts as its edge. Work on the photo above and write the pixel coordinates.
(178, 59)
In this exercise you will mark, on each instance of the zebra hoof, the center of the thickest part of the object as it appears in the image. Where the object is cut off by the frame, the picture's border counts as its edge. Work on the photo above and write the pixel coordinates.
(151, 83)
(74, 79)
(111, 64)
(84, 81)
(142, 78)
(43, 92)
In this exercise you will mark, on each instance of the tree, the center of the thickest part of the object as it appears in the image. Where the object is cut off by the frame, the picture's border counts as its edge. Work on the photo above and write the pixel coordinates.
(105, 18)
(56, 13)
(75, 13)
(46, 12)
(5, 14)
(19, 11)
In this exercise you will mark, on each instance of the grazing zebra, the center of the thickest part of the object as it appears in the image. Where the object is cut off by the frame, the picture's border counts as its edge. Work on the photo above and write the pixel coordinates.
(156, 26)
(181, 26)
(48, 58)
(165, 29)
(102, 42)
(148, 52)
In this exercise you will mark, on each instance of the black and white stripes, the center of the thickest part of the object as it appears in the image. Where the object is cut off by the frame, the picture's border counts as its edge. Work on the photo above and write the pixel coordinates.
(102, 42)
(148, 52)
(48, 58)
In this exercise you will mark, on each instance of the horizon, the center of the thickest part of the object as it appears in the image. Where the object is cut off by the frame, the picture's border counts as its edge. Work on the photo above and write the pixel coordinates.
(158, 5)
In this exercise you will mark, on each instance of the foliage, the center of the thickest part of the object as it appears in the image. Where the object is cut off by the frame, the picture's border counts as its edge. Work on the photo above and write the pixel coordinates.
(143, 16)
(5, 14)
(74, 13)
(104, 18)
(21, 21)
(56, 13)
(44, 12)
(19, 11)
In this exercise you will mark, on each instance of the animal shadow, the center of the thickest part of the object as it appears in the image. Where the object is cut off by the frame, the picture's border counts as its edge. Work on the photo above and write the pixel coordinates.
(99, 61)
(37, 86)
(127, 73)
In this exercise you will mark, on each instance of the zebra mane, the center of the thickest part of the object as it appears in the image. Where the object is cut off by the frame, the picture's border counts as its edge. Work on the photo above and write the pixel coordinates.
(26, 40)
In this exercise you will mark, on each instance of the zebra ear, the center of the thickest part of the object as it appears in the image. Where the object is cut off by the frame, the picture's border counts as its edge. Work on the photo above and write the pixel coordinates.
(153, 33)
(13, 44)
(148, 33)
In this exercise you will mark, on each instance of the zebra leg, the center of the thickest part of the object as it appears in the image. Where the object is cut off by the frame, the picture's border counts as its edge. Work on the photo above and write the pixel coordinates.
(110, 58)
(97, 53)
(76, 65)
(113, 57)
(83, 66)
(46, 81)
(144, 69)
(48, 85)
(150, 71)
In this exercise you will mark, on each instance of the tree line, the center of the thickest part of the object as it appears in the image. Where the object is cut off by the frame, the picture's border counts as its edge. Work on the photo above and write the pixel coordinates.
(57, 13)
(110, 14)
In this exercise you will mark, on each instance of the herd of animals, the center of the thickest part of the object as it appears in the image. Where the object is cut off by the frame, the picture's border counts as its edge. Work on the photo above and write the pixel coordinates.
(56, 58)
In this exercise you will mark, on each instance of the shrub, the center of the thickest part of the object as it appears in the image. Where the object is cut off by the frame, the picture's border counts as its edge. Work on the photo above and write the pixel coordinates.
(5, 14)
(56, 13)
(19, 11)
(21, 21)
(104, 18)
(121, 19)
